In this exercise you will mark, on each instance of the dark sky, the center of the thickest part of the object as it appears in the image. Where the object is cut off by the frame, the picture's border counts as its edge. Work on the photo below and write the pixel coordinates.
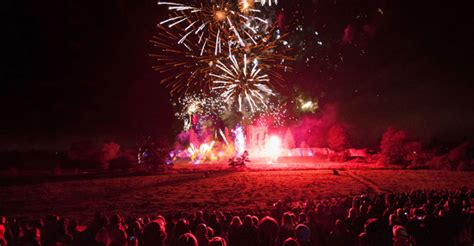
(75, 70)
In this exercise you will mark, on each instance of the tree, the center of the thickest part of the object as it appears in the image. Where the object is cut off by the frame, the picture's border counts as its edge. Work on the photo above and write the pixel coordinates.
(126, 159)
(393, 146)
(460, 158)
(83, 154)
(109, 151)
(88, 154)
(337, 138)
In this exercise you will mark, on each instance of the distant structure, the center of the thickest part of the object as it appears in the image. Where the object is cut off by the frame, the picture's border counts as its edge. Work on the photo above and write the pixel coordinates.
(257, 138)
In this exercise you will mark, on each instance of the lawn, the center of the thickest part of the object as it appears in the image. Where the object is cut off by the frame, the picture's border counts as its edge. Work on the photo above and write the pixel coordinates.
(221, 189)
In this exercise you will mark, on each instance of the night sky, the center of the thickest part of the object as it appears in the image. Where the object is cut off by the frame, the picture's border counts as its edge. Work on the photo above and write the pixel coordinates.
(75, 70)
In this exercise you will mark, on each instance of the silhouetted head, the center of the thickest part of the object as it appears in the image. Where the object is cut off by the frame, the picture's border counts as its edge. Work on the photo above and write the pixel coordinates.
(154, 233)
(267, 233)
(287, 219)
(217, 241)
(247, 220)
(181, 227)
(303, 233)
(236, 222)
(187, 239)
(290, 242)
(201, 230)
(198, 215)
(115, 219)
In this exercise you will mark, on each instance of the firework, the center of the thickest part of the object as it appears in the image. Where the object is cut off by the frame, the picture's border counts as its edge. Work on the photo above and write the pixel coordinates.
(239, 140)
(246, 5)
(206, 105)
(273, 148)
(272, 51)
(194, 37)
(212, 25)
(269, 2)
(242, 83)
(183, 70)
(201, 153)
(276, 115)
(307, 105)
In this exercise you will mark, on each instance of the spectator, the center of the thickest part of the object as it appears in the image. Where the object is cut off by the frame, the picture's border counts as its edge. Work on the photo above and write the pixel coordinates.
(302, 218)
(202, 235)
(340, 235)
(135, 231)
(287, 228)
(187, 239)
(29, 236)
(290, 242)
(210, 232)
(215, 224)
(198, 219)
(116, 232)
(154, 234)
(217, 241)
(277, 212)
(303, 235)
(267, 233)
(248, 232)
(62, 235)
(406, 218)
(317, 234)
(3, 241)
(7, 230)
(400, 236)
(181, 227)
(234, 234)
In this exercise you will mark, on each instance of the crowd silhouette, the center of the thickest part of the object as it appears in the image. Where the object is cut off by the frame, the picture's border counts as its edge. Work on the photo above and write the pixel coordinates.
(421, 217)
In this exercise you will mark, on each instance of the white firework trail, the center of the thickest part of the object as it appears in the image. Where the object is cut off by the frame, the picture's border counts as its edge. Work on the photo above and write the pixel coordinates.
(269, 2)
(213, 24)
(242, 82)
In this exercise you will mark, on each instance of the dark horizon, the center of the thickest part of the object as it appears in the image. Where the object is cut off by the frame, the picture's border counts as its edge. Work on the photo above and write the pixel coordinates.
(80, 70)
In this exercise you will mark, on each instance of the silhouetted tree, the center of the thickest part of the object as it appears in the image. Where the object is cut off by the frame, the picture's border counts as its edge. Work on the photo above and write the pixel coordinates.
(127, 159)
(83, 154)
(396, 148)
(87, 154)
(108, 152)
(459, 158)
(337, 138)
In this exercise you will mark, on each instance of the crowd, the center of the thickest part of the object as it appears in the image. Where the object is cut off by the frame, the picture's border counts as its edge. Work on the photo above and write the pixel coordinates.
(408, 218)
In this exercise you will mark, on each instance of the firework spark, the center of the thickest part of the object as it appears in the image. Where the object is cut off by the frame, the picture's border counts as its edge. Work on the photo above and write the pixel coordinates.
(269, 2)
(206, 105)
(194, 37)
(307, 105)
(213, 24)
(242, 83)
(275, 116)
(239, 140)
(182, 69)
(201, 153)
(272, 53)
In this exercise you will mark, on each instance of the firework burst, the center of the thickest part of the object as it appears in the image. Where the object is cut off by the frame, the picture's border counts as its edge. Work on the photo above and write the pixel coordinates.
(181, 68)
(206, 105)
(213, 24)
(272, 52)
(242, 83)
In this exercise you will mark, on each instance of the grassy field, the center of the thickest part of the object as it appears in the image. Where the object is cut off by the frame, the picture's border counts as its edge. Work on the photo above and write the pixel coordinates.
(221, 189)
